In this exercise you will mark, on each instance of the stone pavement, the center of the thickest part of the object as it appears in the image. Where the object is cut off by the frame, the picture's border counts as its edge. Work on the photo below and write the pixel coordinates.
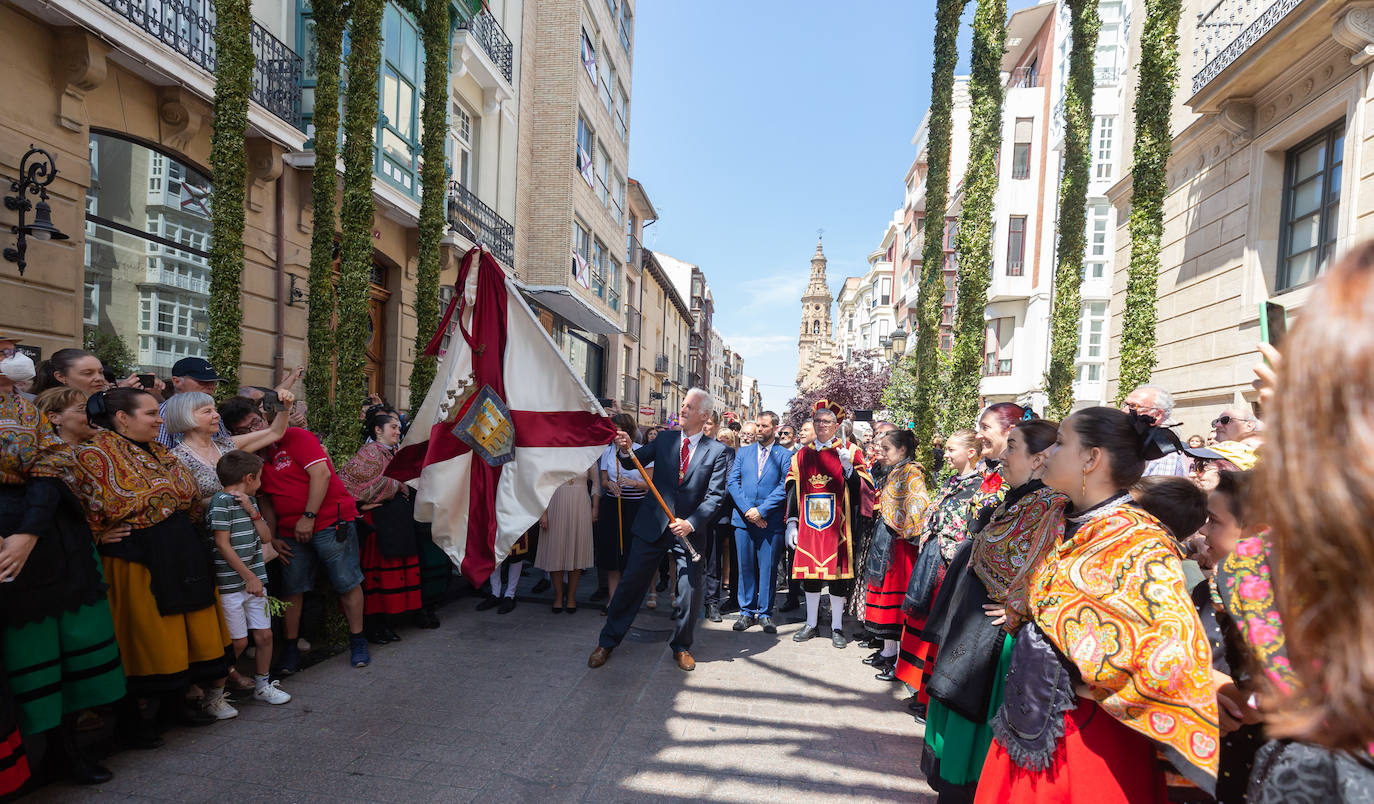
(502, 708)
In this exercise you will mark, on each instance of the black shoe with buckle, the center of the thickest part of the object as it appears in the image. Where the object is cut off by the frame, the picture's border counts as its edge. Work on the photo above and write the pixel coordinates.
(837, 638)
(806, 633)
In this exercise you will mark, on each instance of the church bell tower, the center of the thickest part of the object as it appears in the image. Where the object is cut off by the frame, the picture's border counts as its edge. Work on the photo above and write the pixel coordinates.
(814, 347)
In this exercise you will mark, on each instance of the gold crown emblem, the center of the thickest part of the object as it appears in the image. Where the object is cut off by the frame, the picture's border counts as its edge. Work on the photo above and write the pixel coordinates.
(818, 479)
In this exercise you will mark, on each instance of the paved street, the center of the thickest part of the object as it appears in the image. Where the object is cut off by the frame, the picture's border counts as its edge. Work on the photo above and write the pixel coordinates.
(503, 708)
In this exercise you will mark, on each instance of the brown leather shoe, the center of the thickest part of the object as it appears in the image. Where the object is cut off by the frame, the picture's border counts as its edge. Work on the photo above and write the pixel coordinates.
(598, 657)
(685, 660)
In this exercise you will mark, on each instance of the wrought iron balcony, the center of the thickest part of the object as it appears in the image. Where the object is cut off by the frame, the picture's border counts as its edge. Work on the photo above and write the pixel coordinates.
(661, 365)
(633, 322)
(1024, 77)
(489, 34)
(1103, 76)
(1228, 29)
(466, 211)
(682, 375)
(187, 27)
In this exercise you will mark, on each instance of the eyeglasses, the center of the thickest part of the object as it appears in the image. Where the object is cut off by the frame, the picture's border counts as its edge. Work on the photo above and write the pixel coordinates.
(8, 352)
(1200, 466)
(1225, 420)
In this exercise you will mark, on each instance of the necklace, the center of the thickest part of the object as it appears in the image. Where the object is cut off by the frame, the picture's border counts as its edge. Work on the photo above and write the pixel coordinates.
(201, 453)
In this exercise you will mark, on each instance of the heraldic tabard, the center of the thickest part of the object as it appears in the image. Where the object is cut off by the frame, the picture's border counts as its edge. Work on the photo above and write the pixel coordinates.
(825, 545)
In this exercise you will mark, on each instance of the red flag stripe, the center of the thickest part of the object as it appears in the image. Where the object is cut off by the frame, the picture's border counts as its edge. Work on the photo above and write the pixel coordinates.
(566, 428)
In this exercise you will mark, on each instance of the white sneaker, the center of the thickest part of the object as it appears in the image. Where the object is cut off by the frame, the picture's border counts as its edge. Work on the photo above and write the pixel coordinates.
(272, 694)
(216, 705)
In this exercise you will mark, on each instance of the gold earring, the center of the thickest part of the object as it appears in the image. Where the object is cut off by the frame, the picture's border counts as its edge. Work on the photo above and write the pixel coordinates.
(1085, 481)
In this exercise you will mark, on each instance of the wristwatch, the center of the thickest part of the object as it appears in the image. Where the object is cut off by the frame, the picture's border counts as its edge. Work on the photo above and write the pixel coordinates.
(309, 514)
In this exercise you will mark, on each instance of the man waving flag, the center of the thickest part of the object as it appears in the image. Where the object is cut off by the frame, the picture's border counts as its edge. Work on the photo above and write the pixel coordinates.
(505, 423)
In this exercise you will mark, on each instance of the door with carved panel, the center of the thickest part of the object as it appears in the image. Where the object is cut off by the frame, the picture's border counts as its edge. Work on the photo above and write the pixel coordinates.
(375, 368)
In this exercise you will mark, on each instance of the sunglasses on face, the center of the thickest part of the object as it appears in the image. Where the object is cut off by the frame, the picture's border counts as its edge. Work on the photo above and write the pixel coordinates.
(1225, 420)
(1200, 467)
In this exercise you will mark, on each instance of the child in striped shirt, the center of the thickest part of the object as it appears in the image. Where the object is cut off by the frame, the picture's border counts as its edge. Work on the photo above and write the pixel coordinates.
(240, 573)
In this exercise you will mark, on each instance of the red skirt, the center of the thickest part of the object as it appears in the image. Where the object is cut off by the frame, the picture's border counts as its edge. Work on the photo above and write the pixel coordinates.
(390, 585)
(915, 656)
(14, 766)
(1099, 761)
(883, 614)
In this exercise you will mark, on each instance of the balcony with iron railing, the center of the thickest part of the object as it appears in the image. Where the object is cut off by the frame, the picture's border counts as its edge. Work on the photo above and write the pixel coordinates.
(1227, 29)
(468, 215)
(633, 322)
(188, 27)
(491, 37)
(1105, 76)
(682, 375)
(661, 364)
(1024, 78)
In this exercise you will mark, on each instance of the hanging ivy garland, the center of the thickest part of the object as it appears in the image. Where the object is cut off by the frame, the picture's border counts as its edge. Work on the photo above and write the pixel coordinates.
(229, 173)
(359, 207)
(435, 31)
(974, 238)
(1073, 201)
(329, 16)
(1153, 103)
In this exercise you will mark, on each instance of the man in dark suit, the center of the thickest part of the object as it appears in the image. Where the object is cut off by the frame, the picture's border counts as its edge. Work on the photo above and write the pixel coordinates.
(757, 483)
(696, 492)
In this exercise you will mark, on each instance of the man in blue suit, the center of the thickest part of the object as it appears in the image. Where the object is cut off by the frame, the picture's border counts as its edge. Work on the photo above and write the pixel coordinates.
(757, 483)
(689, 471)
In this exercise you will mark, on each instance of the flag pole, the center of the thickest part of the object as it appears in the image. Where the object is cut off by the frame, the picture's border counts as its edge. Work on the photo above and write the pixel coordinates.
(683, 540)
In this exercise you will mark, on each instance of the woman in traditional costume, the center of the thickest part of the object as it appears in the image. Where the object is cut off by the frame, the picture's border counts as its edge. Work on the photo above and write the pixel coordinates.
(943, 527)
(56, 637)
(388, 552)
(981, 606)
(1114, 668)
(902, 503)
(142, 504)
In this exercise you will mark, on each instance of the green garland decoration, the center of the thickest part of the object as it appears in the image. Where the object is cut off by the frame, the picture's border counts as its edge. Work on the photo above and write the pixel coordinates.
(330, 17)
(1153, 103)
(435, 32)
(229, 174)
(359, 206)
(974, 238)
(1067, 309)
(930, 296)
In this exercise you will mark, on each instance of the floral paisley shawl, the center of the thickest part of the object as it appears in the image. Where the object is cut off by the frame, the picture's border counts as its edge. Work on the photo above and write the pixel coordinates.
(1013, 544)
(1112, 599)
(903, 501)
(120, 481)
(363, 475)
(1246, 590)
(947, 518)
(28, 445)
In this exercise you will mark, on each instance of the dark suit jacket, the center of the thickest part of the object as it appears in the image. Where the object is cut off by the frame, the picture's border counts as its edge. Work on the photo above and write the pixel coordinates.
(767, 493)
(698, 498)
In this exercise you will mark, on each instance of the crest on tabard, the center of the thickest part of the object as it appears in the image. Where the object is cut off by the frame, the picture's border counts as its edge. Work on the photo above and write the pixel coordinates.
(819, 479)
(487, 428)
(820, 510)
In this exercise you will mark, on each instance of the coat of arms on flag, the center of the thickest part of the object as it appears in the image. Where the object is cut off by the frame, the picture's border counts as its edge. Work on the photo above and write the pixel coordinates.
(531, 422)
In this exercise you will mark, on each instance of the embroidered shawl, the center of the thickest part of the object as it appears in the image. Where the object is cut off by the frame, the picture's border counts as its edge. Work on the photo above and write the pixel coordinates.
(904, 500)
(28, 445)
(948, 517)
(120, 481)
(1013, 544)
(363, 475)
(1245, 587)
(1112, 599)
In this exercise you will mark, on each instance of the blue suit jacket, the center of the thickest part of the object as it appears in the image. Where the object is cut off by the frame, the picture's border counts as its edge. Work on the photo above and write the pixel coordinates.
(697, 498)
(766, 493)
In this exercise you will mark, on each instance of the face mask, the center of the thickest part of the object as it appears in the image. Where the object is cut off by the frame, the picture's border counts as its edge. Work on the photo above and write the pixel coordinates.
(18, 368)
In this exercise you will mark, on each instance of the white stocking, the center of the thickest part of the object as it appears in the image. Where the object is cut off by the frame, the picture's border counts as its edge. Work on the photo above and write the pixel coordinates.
(836, 612)
(512, 577)
(813, 608)
(889, 648)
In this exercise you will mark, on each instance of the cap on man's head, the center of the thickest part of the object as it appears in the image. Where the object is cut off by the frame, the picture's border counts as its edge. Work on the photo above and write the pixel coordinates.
(197, 368)
(1242, 455)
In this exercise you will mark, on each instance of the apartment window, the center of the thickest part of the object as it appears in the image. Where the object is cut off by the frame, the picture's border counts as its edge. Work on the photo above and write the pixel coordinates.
(626, 25)
(614, 6)
(582, 255)
(951, 232)
(598, 269)
(589, 56)
(1311, 203)
(1021, 148)
(618, 197)
(1097, 242)
(603, 175)
(946, 343)
(1094, 270)
(461, 145)
(885, 291)
(612, 281)
(608, 86)
(1092, 338)
(398, 146)
(585, 148)
(1016, 245)
(622, 111)
(1102, 145)
(997, 353)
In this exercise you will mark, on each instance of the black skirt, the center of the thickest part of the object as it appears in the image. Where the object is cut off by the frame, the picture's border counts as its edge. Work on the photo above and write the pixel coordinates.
(611, 532)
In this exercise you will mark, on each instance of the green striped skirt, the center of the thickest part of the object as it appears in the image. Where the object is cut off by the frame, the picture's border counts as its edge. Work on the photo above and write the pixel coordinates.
(62, 664)
(958, 743)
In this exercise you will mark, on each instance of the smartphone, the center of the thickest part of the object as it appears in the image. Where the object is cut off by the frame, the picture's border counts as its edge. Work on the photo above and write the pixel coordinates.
(271, 402)
(1273, 323)
(147, 380)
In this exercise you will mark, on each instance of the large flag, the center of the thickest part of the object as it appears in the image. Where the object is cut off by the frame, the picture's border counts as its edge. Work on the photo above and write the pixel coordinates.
(505, 423)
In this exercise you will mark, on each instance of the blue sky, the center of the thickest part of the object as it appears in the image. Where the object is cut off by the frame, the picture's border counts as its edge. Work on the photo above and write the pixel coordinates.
(753, 124)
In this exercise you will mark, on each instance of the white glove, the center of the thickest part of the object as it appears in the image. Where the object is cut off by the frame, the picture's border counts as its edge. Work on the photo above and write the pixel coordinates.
(792, 533)
(846, 461)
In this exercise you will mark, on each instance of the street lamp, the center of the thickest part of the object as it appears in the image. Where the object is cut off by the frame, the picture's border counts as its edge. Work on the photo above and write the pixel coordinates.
(33, 180)
(898, 343)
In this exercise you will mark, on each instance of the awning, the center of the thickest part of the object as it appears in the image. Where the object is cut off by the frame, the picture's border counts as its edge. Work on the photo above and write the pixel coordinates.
(568, 304)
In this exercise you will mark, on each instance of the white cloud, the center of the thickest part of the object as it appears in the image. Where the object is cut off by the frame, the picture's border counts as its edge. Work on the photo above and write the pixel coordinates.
(752, 346)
